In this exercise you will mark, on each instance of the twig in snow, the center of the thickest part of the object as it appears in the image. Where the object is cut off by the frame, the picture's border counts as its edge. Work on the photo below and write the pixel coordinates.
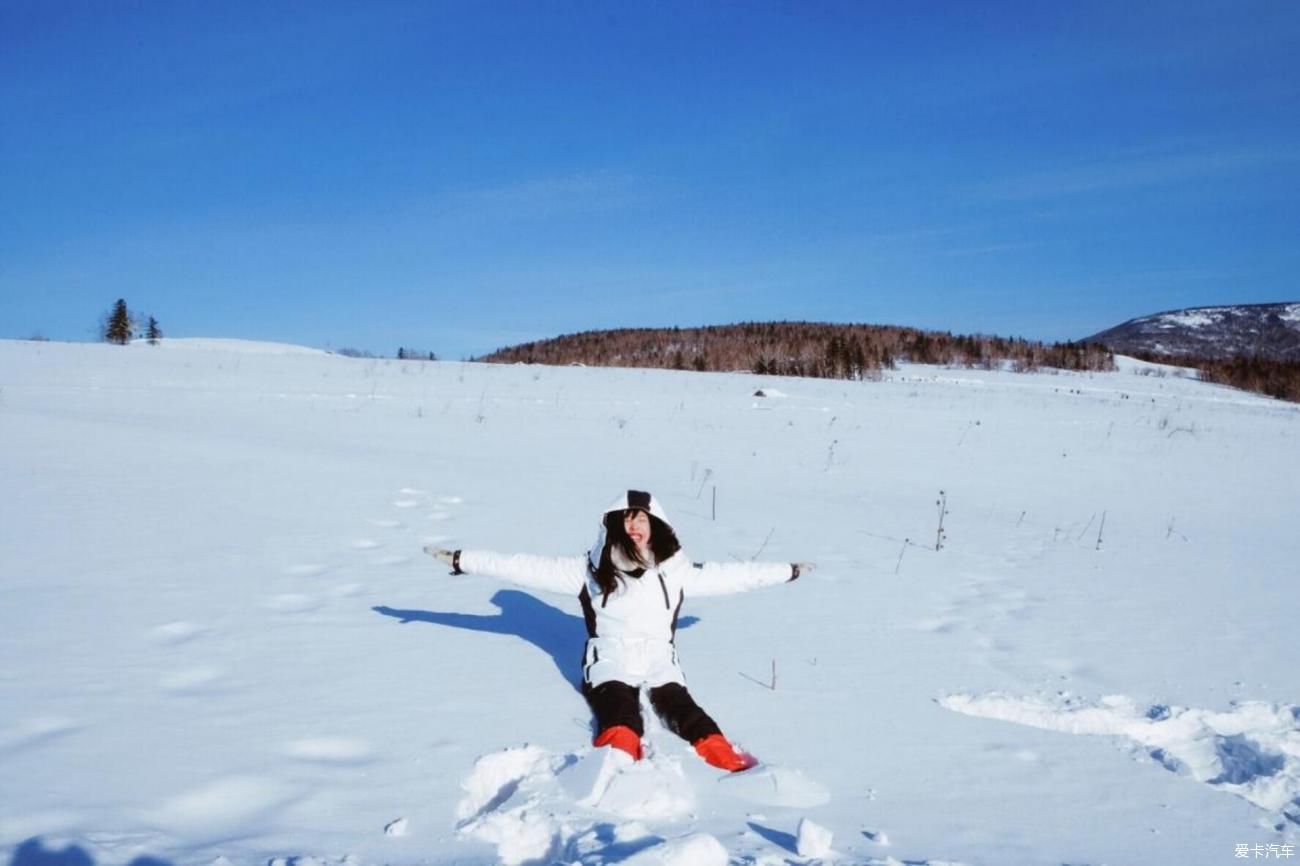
(771, 685)
(830, 455)
(942, 503)
(969, 425)
(708, 473)
(1086, 528)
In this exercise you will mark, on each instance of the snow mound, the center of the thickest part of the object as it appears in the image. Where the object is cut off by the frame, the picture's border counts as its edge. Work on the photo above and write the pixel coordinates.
(813, 840)
(221, 344)
(610, 781)
(535, 806)
(496, 778)
(532, 805)
(1252, 750)
(697, 849)
(776, 786)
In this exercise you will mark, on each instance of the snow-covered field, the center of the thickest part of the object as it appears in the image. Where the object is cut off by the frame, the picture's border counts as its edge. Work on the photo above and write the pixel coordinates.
(220, 643)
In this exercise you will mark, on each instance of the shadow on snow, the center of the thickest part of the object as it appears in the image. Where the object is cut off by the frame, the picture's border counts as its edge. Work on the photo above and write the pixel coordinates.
(34, 853)
(558, 634)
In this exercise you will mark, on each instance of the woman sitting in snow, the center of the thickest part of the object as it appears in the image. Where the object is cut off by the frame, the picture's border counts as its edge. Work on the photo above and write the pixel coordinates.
(631, 585)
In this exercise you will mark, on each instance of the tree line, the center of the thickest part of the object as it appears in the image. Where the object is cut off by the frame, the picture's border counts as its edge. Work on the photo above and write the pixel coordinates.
(120, 326)
(1280, 379)
(813, 349)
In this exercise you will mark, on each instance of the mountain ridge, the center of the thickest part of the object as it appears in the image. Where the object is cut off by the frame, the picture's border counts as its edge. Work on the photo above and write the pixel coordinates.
(1269, 332)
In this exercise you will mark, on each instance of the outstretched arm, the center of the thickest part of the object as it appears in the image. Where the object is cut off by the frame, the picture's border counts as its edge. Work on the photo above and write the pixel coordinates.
(724, 578)
(565, 574)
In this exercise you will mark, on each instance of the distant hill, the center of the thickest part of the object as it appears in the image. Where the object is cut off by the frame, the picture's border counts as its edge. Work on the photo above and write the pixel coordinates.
(1269, 332)
(814, 349)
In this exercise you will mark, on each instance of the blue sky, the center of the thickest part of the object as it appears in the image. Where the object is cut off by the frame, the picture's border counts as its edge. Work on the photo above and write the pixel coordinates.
(462, 176)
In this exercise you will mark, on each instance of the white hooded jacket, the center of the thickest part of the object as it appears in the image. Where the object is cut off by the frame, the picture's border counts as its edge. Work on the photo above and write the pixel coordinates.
(630, 631)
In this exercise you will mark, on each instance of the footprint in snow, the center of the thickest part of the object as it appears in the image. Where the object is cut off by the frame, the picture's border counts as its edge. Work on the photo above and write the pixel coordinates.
(306, 569)
(348, 590)
(176, 633)
(366, 544)
(385, 524)
(938, 624)
(395, 559)
(440, 515)
(229, 807)
(33, 731)
(191, 681)
(980, 606)
(293, 602)
(406, 503)
(330, 750)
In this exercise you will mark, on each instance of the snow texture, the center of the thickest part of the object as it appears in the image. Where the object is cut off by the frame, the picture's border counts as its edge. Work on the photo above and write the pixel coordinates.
(813, 840)
(1251, 750)
(221, 645)
(1200, 318)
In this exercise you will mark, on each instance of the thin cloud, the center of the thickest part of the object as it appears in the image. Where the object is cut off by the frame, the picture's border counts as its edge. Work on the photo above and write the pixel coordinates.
(1131, 172)
(550, 197)
(988, 249)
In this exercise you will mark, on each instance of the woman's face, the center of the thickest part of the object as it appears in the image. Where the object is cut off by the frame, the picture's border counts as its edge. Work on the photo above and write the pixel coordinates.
(637, 525)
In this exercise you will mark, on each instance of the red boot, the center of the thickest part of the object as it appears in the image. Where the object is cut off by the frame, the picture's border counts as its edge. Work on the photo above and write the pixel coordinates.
(621, 737)
(717, 751)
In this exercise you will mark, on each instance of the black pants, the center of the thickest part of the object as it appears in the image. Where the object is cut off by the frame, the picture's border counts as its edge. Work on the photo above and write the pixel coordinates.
(614, 703)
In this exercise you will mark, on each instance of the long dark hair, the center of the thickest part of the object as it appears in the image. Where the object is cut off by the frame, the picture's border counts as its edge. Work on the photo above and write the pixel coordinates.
(663, 544)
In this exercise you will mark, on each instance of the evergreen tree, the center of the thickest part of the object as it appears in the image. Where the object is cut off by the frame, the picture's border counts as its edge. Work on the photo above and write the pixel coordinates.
(154, 333)
(118, 328)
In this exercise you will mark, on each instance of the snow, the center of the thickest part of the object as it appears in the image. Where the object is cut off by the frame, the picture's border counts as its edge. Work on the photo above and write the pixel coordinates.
(1251, 750)
(230, 347)
(813, 840)
(221, 643)
(1198, 318)
(1291, 313)
(1125, 364)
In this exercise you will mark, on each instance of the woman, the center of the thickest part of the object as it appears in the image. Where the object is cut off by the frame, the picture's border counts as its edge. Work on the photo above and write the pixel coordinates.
(631, 586)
